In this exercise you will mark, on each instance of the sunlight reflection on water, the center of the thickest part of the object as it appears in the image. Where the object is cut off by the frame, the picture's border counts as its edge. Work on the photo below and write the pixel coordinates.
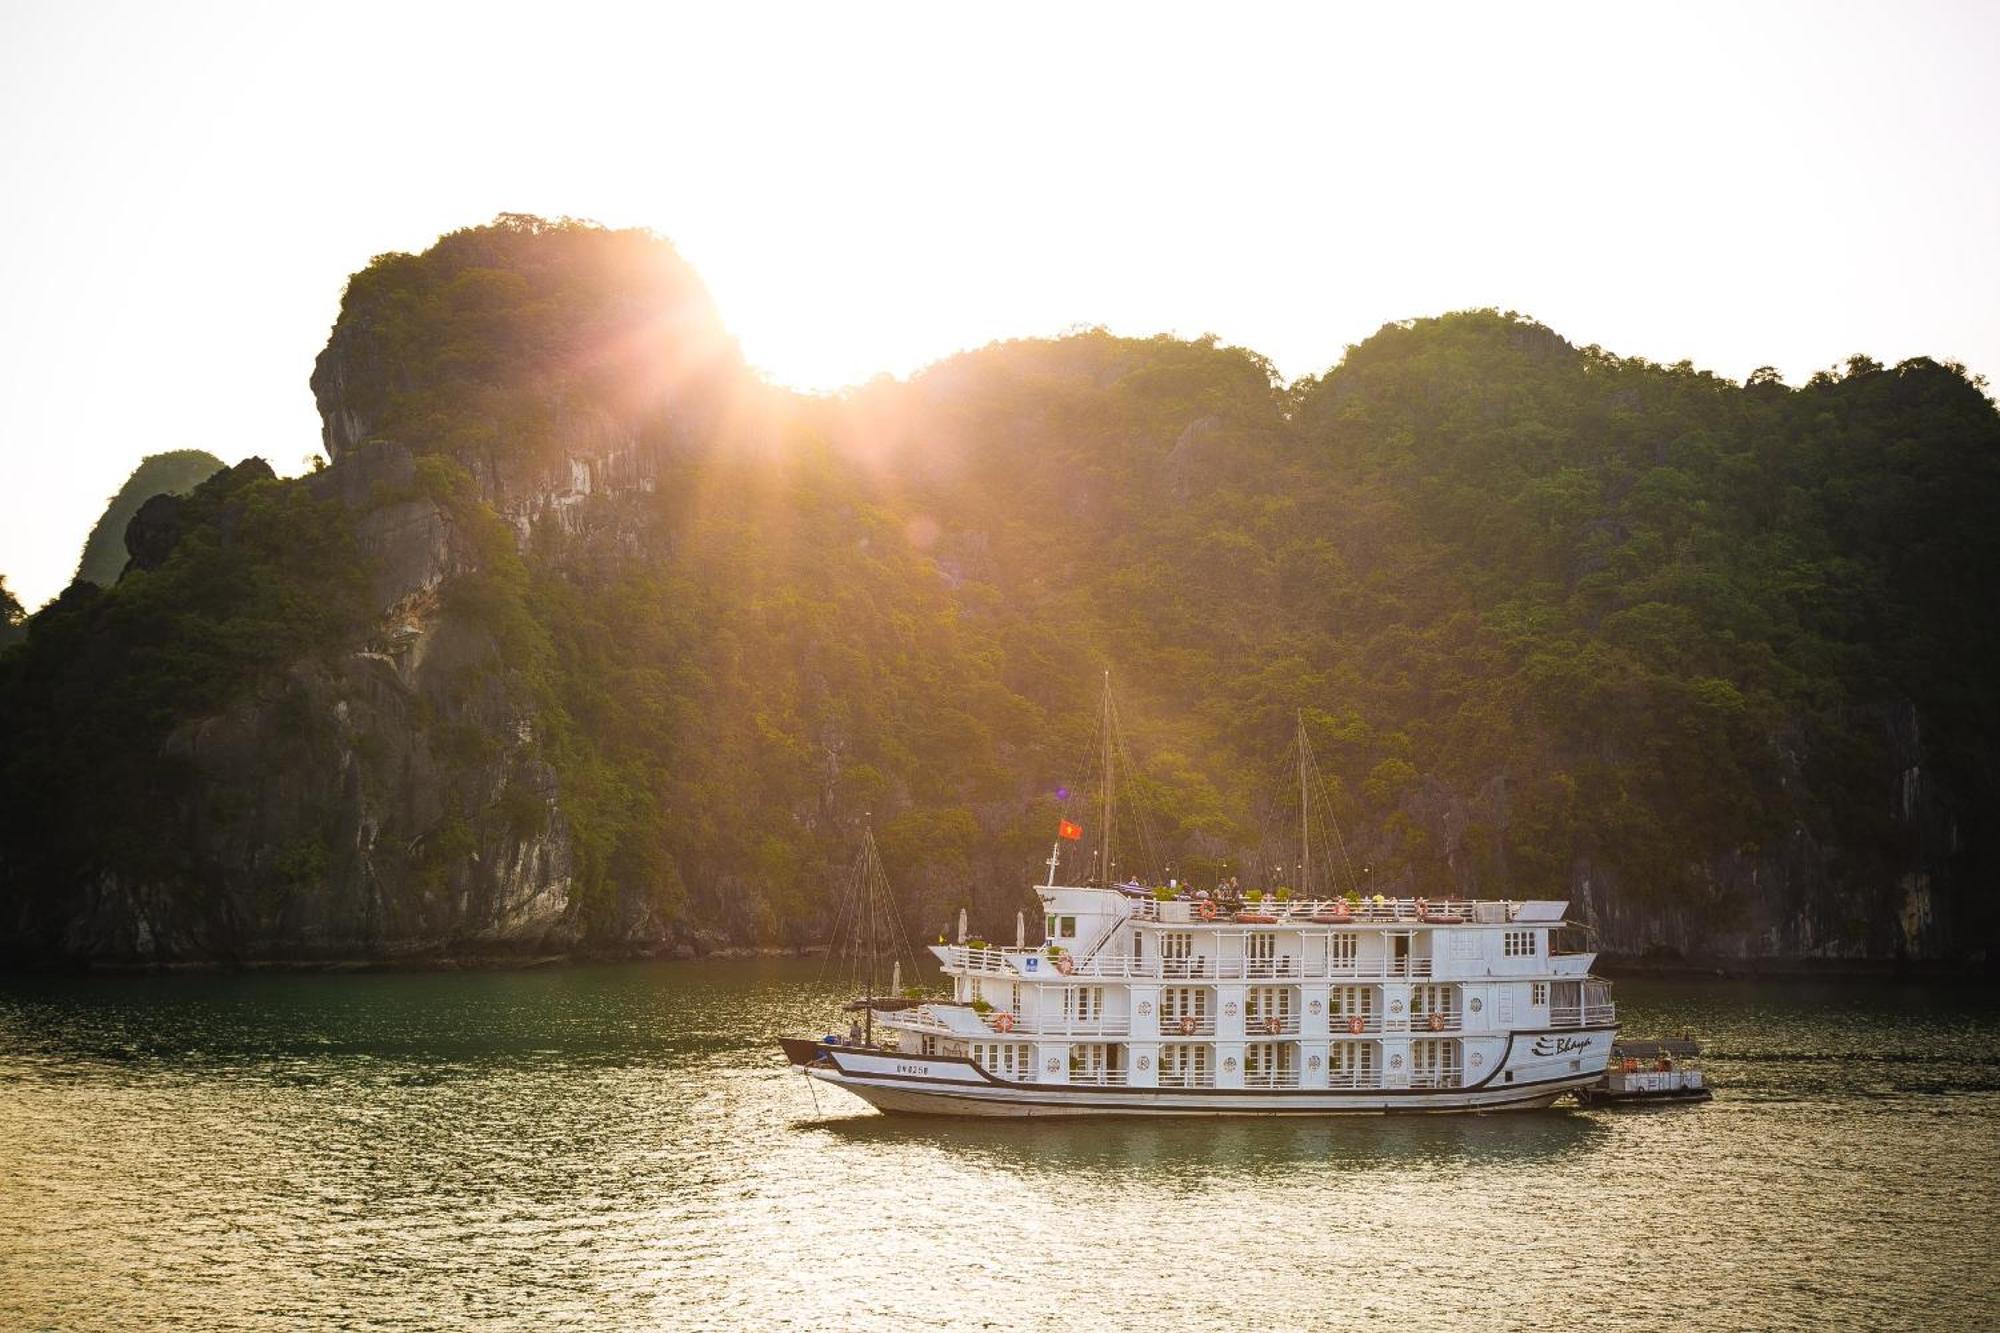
(622, 1146)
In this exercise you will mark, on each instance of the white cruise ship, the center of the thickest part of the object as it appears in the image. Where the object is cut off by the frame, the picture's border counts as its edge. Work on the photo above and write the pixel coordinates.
(1138, 1005)
(1170, 1002)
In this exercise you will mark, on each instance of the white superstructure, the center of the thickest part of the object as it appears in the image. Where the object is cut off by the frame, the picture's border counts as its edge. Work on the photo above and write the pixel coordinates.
(1138, 1004)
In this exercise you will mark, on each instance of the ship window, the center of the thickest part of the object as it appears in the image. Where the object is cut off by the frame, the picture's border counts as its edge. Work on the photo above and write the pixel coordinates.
(1434, 1064)
(1519, 944)
(1014, 1000)
(1266, 1062)
(1090, 1060)
(1083, 1003)
(1340, 950)
(1002, 1061)
(1351, 1064)
(1541, 993)
(1066, 927)
(1427, 1000)
(1183, 1066)
(1269, 1002)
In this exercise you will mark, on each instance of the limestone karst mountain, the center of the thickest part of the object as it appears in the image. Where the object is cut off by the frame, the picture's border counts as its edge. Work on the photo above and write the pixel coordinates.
(589, 641)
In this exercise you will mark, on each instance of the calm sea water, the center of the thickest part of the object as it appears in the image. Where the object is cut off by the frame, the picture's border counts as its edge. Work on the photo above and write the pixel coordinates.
(621, 1146)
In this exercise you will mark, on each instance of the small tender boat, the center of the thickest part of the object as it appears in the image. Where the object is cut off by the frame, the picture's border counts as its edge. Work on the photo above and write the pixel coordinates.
(1650, 1071)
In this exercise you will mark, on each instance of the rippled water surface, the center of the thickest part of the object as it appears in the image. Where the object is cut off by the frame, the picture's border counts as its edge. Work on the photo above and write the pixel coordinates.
(621, 1146)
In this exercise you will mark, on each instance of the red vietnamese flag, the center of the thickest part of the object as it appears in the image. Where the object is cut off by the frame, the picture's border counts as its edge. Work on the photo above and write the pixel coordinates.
(1069, 830)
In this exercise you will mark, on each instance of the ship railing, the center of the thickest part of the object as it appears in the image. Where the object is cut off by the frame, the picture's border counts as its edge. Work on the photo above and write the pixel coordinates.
(1186, 911)
(977, 959)
(1267, 969)
(1283, 1078)
(1115, 965)
(1192, 1079)
(1279, 969)
(1062, 1027)
(996, 962)
(1450, 1020)
(1258, 1026)
(1656, 1080)
(1341, 1025)
(1098, 1078)
(1204, 1026)
(1437, 1078)
(1353, 1079)
(915, 1020)
(1582, 1015)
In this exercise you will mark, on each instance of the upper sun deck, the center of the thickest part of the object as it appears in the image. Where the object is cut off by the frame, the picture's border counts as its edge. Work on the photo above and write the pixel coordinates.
(1122, 933)
(1128, 903)
(1320, 913)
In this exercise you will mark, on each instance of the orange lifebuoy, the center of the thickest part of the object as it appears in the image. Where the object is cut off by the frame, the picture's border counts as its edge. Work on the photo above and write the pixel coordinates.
(1271, 1025)
(1003, 1022)
(1207, 910)
(1065, 965)
(1356, 1025)
(1437, 1022)
(1187, 1026)
(1631, 1065)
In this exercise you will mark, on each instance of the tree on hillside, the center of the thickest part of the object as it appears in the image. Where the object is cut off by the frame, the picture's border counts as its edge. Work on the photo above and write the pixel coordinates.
(173, 473)
(12, 618)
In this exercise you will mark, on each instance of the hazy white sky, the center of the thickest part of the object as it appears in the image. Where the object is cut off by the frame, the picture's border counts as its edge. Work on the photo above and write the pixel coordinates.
(870, 188)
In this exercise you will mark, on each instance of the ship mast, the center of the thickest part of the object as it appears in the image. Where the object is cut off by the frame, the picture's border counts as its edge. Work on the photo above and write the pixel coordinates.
(1104, 853)
(1305, 816)
(869, 865)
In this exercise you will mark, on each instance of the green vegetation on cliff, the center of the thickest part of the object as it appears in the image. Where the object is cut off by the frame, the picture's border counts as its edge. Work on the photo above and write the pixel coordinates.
(12, 617)
(257, 575)
(1560, 622)
(173, 473)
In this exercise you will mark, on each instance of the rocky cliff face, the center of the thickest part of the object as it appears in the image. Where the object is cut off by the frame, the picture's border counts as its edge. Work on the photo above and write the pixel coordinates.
(1801, 901)
(384, 801)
